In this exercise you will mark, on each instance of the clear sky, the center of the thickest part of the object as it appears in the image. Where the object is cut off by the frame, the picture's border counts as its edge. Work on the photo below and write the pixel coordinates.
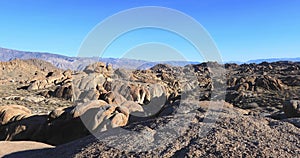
(241, 29)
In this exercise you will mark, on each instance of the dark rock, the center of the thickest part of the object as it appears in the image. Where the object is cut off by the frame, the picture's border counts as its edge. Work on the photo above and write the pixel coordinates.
(291, 108)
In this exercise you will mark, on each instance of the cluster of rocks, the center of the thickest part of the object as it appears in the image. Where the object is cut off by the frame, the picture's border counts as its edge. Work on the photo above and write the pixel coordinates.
(101, 104)
(147, 101)
(256, 83)
(61, 125)
(262, 88)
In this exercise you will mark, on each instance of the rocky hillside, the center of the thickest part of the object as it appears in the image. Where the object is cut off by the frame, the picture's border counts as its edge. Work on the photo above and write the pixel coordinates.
(207, 109)
(24, 70)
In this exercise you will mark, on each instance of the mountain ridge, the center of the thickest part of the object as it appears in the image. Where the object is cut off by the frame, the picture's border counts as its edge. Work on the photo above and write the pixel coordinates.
(79, 63)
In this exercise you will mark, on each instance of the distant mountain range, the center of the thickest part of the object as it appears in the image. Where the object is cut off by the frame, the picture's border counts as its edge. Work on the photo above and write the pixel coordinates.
(274, 60)
(79, 63)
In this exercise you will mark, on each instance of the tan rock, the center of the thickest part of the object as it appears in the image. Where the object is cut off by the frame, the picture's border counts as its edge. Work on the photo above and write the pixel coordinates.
(9, 147)
(132, 106)
(12, 113)
(82, 108)
(105, 117)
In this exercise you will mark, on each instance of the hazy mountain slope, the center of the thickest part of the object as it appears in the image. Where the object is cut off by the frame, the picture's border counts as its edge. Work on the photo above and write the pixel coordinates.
(273, 60)
(78, 63)
(59, 61)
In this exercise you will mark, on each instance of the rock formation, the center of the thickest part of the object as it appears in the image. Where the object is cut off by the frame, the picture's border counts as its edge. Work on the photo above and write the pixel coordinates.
(207, 109)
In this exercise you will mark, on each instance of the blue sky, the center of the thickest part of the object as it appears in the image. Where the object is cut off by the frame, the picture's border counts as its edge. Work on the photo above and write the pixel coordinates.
(242, 30)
